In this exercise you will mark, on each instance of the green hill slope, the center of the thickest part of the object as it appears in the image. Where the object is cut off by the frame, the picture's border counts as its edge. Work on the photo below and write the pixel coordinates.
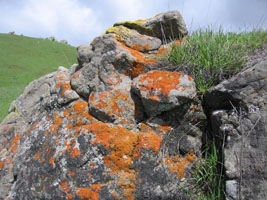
(23, 59)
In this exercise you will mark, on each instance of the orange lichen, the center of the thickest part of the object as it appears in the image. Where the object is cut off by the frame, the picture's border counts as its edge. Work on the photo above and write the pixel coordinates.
(14, 143)
(2, 163)
(113, 102)
(161, 81)
(163, 129)
(64, 186)
(178, 165)
(51, 160)
(56, 123)
(147, 140)
(75, 152)
(63, 82)
(141, 60)
(37, 156)
(80, 107)
(71, 173)
(91, 194)
(76, 75)
(120, 142)
(66, 112)
(69, 196)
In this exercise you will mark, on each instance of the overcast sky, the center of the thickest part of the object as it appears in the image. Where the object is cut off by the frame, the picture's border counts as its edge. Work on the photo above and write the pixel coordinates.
(80, 21)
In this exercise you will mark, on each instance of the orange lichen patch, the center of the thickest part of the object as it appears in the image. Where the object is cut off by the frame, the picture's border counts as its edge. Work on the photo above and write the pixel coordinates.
(2, 163)
(140, 47)
(14, 143)
(163, 129)
(74, 152)
(51, 160)
(64, 186)
(120, 142)
(37, 156)
(63, 82)
(80, 107)
(148, 140)
(6, 128)
(160, 81)
(92, 193)
(130, 187)
(139, 180)
(66, 112)
(71, 173)
(76, 75)
(141, 60)
(69, 196)
(114, 103)
(113, 79)
(56, 123)
(92, 165)
(178, 165)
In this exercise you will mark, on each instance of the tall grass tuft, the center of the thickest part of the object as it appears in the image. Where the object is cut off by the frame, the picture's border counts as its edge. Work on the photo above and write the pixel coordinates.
(208, 179)
(212, 56)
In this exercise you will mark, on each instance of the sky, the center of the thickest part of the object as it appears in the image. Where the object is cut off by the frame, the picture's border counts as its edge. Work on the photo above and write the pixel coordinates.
(80, 21)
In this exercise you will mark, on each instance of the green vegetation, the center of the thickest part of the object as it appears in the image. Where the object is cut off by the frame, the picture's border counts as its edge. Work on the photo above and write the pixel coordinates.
(209, 56)
(208, 179)
(24, 59)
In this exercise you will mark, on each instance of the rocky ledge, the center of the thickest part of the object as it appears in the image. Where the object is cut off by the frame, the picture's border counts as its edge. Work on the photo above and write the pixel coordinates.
(110, 127)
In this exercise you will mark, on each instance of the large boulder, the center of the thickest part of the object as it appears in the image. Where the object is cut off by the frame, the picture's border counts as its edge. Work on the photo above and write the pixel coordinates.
(238, 112)
(90, 133)
(169, 25)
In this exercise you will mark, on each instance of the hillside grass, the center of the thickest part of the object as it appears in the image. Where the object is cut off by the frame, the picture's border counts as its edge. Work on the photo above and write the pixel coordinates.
(24, 59)
(212, 56)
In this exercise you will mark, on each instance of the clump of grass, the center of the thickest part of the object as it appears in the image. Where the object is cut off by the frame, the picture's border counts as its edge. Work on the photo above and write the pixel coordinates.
(210, 56)
(208, 179)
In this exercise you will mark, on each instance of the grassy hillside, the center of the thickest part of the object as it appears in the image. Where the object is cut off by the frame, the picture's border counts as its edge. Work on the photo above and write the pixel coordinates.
(23, 59)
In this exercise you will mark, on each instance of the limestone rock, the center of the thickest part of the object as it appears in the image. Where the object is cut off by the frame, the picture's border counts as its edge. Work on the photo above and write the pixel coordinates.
(238, 114)
(169, 25)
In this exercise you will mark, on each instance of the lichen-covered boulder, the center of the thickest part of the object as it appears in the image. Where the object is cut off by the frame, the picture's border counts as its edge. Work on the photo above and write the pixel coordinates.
(169, 25)
(238, 115)
(90, 132)
(162, 91)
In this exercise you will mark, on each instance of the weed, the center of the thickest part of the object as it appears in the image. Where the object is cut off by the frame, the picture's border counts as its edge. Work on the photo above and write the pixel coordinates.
(208, 178)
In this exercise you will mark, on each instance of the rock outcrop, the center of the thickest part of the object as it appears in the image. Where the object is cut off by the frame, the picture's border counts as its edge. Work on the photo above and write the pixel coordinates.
(109, 127)
(238, 114)
(115, 127)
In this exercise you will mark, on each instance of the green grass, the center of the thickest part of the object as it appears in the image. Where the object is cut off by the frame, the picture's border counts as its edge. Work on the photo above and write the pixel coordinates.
(208, 179)
(24, 59)
(210, 56)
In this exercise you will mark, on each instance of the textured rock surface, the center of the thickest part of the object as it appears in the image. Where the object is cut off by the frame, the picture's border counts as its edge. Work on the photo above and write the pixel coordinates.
(238, 115)
(89, 133)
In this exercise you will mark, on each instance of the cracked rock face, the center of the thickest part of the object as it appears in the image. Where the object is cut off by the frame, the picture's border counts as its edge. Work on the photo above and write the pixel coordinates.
(93, 132)
(238, 112)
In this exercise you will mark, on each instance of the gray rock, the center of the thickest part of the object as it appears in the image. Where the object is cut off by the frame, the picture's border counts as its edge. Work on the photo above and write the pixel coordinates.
(242, 124)
(63, 41)
(169, 25)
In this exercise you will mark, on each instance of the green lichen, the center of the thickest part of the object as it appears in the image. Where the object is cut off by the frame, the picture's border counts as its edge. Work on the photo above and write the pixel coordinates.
(136, 25)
